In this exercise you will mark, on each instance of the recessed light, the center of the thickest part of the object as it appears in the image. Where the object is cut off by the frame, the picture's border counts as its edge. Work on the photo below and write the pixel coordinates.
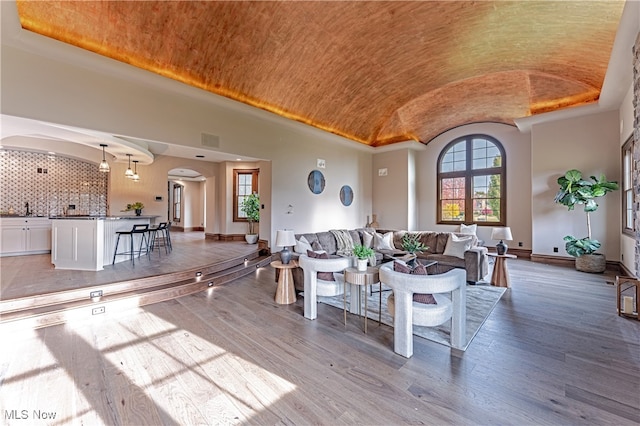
(51, 153)
(199, 156)
(238, 159)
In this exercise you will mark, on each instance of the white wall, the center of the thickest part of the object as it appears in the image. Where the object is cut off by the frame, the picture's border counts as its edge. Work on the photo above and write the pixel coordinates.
(591, 145)
(158, 109)
(517, 148)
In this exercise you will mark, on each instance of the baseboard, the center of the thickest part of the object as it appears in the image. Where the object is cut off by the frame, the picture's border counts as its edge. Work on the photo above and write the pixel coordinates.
(612, 265)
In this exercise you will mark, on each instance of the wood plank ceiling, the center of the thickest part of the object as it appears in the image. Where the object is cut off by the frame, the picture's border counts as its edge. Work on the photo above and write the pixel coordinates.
(373, 72)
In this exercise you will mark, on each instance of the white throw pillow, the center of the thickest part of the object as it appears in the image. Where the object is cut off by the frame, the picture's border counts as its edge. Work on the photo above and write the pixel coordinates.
(383, 242)
(468, 229)
(302, 245)
(367, 239)
(456, 246)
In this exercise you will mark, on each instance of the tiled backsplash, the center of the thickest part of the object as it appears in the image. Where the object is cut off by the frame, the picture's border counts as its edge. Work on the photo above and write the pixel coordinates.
(50, 184)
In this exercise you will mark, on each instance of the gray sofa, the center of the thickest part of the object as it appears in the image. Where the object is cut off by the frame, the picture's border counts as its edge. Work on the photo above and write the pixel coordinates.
(475, 261)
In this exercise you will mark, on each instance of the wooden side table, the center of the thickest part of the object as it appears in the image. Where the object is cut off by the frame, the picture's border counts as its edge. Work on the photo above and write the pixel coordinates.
(286, 292)
(358, 279)
(500, 276)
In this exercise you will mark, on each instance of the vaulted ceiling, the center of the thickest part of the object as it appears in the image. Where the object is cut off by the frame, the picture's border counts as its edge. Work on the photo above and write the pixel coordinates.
(373, 72)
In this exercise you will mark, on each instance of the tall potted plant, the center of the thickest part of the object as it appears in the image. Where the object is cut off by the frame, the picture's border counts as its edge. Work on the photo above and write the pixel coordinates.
(251, 208)
(576, 191)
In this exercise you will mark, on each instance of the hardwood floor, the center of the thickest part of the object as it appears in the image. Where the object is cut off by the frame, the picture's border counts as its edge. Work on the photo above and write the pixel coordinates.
(553, 351)
(32, 275)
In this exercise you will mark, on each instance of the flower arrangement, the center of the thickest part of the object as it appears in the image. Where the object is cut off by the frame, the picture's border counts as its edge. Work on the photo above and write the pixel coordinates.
(135, 206)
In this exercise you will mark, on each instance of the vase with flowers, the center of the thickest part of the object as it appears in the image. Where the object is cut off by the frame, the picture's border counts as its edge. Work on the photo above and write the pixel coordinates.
(137, 207)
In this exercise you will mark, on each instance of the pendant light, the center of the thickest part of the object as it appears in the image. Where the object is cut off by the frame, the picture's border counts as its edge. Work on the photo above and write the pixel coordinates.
(129, 173)
(135, 177)
(104, 166)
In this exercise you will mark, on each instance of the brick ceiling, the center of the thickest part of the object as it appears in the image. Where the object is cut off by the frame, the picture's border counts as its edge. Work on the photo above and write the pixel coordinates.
(373, 72)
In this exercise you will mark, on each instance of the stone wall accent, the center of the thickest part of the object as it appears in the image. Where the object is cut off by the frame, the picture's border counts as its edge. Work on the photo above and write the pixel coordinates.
(50, 183)
(636, 148)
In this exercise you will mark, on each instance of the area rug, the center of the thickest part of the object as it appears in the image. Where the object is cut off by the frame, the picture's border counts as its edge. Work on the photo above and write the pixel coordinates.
(481, 300)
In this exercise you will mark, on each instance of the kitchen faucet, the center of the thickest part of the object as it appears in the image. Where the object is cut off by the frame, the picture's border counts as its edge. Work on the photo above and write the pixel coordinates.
(27, 206)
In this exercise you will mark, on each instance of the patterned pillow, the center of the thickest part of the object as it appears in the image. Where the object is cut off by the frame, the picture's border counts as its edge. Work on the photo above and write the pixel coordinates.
(420, 269)
(324, 276)
(427, 299)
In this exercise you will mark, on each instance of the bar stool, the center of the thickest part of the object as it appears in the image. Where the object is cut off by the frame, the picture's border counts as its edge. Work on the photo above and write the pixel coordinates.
(144, 239)
(168, 231)
(159, 236)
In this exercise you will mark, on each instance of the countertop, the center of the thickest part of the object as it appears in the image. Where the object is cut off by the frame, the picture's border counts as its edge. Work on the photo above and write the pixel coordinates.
(103, 217)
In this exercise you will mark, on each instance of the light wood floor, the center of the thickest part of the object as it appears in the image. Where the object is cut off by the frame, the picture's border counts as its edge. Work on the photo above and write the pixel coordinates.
(552, 352)
(32, 275)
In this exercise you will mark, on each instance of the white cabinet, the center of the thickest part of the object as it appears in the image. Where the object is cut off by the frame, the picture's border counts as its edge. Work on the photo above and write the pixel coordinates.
(25, 236)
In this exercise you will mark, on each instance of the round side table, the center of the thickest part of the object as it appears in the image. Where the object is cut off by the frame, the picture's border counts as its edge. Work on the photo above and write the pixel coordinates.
(358, 279)
(500, 276)
(286, 292)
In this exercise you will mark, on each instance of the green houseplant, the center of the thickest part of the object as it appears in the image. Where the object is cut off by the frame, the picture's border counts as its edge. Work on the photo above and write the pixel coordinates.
(251, 208)
(411, 243)
(363, 254)
(137, 206)
(574, 190)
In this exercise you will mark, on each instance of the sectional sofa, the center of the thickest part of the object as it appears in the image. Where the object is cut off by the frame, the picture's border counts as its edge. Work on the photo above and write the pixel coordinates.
(449, 249)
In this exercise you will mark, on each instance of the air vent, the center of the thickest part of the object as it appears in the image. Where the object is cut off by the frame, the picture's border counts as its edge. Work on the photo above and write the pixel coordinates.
(212, 141)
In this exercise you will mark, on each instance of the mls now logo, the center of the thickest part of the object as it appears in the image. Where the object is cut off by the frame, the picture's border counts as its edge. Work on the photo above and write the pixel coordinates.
(25, 414)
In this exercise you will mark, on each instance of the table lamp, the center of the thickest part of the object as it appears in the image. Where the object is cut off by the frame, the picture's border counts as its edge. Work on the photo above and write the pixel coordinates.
(285, 238)
(501, 234)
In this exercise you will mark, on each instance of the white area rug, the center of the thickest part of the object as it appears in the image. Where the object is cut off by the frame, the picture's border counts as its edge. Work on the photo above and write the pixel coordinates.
(481, 299)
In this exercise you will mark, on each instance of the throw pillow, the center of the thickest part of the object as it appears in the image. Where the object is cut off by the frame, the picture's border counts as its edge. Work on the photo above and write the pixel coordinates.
(383, 242)
(367, 238)
(456, 246)
(468, 229)
(420, 269)
(316, 246)
(424, 298)
(302, 245)
(401, 267)
(324, 276)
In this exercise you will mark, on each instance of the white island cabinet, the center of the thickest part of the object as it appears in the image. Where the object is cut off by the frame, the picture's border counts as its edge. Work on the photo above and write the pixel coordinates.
(24, 235)
(87, 243)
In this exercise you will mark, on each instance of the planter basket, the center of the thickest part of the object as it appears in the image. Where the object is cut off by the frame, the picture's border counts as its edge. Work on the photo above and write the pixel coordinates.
(593, 263)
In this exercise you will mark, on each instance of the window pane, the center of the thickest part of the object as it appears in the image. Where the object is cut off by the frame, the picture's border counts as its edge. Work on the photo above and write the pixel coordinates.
(486, 198)
(455, 159)
(628, 209)
(452, 194)
(485, 154)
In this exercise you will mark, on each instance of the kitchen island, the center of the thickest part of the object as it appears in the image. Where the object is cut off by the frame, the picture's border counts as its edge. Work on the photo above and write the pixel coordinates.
(86, 243)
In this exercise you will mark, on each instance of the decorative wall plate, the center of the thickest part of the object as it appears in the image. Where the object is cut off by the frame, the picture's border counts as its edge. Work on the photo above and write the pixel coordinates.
(346, 195)
(316, 181)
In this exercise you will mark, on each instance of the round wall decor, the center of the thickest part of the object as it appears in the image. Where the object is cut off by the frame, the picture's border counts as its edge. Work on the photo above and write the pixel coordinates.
(316, 181)
(346, 195)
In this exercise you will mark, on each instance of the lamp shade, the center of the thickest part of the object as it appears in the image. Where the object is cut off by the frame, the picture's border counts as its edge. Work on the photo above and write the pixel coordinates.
(501, 234)
(285, 238)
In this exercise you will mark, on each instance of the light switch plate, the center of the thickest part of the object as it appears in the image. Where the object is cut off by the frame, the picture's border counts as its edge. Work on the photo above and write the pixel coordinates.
(382, 172)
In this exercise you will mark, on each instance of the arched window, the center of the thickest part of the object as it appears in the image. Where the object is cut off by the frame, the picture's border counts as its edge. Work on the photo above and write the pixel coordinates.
(471, 182)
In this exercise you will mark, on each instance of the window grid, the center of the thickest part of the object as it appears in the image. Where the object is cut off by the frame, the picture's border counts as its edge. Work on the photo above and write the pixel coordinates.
(245, 184)
(471, 177)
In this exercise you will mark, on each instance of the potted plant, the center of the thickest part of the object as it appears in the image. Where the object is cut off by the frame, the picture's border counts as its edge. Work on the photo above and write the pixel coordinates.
(411, 244)
(251, 208)
(137, 206)
(576, 191)
(363, 254)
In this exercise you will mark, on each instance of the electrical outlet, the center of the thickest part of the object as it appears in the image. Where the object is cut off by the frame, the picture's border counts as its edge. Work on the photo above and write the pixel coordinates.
(382, 172)
(555, 249)
(94, 294)
(98, 310)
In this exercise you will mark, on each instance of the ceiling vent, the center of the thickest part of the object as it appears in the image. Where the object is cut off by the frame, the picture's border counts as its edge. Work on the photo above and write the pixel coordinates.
(211, 141)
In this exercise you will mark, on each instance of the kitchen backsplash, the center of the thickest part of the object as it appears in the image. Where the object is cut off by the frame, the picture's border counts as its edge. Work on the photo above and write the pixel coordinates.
(51, 184)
